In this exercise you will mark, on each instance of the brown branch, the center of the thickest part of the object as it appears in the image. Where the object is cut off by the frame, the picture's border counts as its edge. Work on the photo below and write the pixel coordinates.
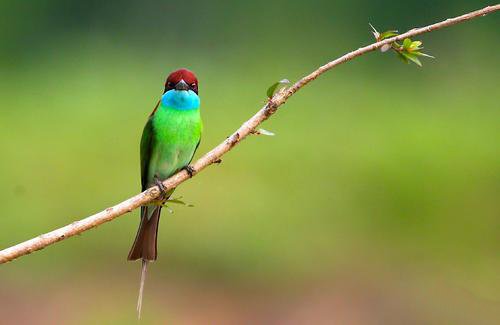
(215, 154)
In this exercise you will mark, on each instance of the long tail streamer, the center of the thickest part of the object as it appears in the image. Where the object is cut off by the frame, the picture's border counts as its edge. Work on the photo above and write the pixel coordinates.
(141, 288)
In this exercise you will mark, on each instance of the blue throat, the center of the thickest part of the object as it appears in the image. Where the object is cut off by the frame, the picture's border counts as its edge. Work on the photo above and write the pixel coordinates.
(182, 100)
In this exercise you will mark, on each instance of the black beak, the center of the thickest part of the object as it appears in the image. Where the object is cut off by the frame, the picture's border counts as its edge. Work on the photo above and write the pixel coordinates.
(182, 85)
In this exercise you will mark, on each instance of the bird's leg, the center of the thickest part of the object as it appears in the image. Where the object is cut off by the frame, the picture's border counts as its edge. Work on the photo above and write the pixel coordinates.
(190, 170)
(162, 188)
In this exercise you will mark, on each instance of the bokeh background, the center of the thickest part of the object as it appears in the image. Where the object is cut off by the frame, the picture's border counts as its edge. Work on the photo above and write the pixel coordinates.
(377, 202)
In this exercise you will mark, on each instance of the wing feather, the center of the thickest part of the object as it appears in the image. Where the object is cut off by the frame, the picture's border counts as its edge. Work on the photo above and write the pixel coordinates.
(147, 148)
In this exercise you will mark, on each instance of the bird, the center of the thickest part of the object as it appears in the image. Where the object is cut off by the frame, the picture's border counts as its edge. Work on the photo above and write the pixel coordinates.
(169, 140)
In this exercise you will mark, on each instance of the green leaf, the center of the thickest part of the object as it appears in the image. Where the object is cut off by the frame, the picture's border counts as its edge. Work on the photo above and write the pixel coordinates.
(178, 200)
(422, 54)
(412, 57)
(415, 45)
(407, 43)
(272, 89)
(402, 57)
(388, 34)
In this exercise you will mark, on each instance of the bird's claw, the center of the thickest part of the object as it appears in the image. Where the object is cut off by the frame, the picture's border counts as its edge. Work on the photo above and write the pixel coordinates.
(190, 170)
(161, 188)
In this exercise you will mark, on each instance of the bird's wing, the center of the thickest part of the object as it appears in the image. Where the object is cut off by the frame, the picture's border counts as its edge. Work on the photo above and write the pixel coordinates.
(197, 145)
(156, 108)
(194, 151)
(147, 148)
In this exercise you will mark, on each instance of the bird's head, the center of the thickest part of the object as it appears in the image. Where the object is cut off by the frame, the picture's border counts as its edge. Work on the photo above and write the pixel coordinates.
(182, 79)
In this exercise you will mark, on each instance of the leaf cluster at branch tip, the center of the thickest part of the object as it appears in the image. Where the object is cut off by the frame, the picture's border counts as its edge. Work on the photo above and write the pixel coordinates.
(409, 51)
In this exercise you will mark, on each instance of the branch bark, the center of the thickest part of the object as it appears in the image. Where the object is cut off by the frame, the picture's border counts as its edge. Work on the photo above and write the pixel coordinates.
(215, 154)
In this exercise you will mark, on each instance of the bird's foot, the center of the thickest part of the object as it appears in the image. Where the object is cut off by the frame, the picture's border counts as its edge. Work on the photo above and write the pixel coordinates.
(190, 170)
(162, 188)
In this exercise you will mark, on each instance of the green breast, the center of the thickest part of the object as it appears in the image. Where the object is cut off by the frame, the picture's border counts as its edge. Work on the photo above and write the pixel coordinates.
(176, 134)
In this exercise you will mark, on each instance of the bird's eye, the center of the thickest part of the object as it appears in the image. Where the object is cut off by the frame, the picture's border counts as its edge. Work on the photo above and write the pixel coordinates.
(193, 85)
(170, 84)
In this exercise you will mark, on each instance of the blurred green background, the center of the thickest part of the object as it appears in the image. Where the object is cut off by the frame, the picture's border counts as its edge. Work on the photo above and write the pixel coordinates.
(377, 202)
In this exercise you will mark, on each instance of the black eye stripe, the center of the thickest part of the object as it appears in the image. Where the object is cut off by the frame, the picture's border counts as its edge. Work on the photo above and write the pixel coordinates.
(171, 85)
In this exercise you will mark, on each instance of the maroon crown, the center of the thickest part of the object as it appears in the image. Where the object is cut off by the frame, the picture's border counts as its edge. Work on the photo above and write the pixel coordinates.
(182, 74)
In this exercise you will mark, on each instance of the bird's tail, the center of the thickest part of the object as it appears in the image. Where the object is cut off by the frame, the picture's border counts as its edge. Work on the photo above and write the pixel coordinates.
(144, 246)
(141, 287)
